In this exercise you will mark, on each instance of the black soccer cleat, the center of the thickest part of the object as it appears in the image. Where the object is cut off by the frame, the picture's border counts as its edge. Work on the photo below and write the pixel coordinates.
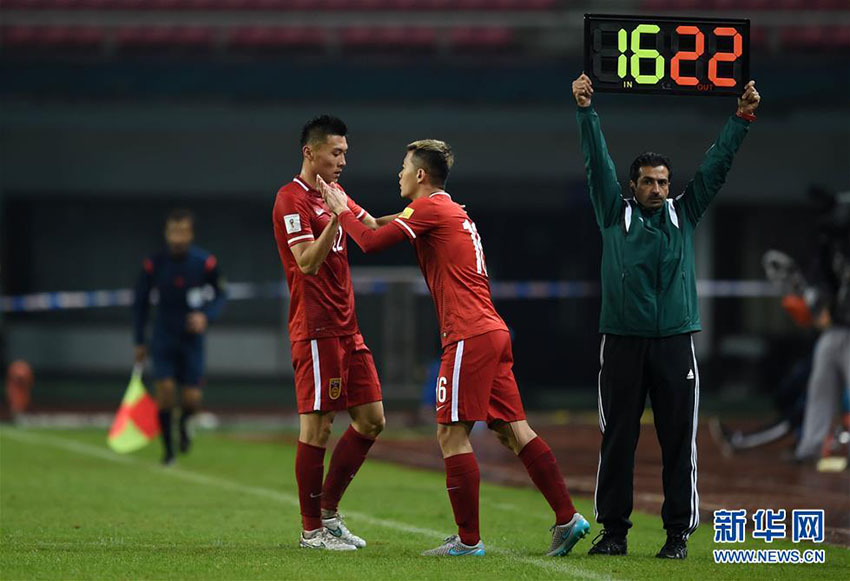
(609, 543)
(676, 547)
(168, 460)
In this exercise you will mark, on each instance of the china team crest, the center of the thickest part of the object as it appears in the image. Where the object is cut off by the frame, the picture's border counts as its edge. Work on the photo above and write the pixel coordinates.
(335, 387)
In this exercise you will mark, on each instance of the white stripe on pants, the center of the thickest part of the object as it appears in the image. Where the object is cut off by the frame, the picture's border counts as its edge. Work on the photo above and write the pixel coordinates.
(317, 376)
(694, 522)
(456, 379)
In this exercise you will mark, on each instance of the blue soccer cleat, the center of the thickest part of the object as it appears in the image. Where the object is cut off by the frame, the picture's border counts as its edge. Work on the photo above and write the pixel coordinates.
(565, 537)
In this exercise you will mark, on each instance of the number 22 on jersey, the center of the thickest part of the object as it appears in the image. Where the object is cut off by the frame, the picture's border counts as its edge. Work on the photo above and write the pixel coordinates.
(340, 236)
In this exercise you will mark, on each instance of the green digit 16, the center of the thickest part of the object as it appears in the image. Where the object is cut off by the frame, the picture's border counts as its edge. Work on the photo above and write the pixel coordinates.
(639, 53)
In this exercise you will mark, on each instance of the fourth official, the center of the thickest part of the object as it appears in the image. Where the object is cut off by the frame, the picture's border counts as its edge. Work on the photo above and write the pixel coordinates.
(649, 313)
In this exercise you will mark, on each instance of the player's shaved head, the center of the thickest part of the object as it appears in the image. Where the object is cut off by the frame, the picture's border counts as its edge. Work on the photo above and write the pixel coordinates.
(433, 156)
(316, 131)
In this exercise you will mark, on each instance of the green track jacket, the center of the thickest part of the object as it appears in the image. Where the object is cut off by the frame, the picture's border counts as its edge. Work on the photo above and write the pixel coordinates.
(648, 278)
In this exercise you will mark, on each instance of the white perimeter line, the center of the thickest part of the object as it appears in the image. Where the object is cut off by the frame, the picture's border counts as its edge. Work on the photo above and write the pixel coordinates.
(552, 564)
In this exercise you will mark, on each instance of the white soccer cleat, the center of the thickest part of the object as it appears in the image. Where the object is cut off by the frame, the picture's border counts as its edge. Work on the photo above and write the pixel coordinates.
(321, 539)
(335, 526)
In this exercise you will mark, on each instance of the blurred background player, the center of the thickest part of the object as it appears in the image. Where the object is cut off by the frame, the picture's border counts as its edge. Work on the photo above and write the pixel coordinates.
(189, 294)
(789, 395)
(334, 369)
(476, 380)
(819, 301)
(649, 312)
(829, 381)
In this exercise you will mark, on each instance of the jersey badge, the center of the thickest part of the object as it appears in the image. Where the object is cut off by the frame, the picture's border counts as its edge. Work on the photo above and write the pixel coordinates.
(293, 223)
(334, 387)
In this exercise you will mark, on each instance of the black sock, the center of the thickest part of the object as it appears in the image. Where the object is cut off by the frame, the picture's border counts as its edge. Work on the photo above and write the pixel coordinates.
(184, 418)
(165, 426)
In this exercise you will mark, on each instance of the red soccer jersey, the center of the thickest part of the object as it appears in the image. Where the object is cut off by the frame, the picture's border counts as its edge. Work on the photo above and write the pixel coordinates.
(451, 257)
(320, 305)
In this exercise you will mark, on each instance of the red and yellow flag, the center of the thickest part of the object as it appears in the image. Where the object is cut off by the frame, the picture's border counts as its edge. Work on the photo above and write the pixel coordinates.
(136, 422)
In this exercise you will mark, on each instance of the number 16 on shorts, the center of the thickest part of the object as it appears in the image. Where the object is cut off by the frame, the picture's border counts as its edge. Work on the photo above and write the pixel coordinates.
(441, 392)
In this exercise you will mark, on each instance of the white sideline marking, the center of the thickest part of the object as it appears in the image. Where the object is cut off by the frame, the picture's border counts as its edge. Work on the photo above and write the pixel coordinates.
(507, 507)
(120, 543)
(173, 471)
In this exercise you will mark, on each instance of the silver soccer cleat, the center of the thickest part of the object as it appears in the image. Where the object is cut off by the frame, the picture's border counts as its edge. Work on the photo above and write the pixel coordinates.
(335, 526)
(321, 539)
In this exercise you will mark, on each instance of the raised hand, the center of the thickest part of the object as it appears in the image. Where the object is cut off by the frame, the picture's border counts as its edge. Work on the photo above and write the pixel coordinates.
(334, 198)
(749, 101)
(583, 90)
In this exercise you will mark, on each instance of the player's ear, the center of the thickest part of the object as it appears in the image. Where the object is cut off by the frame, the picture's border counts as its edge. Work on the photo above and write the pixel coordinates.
(421, 174)
(307, 152)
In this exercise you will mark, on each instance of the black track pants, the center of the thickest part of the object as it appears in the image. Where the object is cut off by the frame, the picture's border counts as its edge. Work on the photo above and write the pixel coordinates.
(666, 369)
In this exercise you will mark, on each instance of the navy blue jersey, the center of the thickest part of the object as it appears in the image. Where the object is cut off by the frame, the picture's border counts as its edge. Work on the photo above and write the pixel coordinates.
(182, 284)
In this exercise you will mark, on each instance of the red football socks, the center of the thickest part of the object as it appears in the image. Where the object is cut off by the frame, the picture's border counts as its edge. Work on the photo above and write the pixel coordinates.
(309, 468)
(462, 481)
(349, 455)
(543, 469)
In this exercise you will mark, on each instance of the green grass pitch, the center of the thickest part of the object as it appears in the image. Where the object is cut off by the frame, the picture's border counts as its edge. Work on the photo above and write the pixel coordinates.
(71, 509)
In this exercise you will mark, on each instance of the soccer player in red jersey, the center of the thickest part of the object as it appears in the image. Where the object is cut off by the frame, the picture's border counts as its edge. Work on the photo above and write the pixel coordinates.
(334, 369)
(476, 380)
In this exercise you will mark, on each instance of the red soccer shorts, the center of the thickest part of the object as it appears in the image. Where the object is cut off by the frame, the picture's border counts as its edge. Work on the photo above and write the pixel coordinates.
(476, 381)
(334, 373)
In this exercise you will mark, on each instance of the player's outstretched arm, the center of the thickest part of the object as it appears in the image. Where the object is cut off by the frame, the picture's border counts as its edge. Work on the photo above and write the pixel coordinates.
(385, 219)
(370, 240)
(360, 212)
(367, 239)
(601, 174)
(374, 223)
(711, 174)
